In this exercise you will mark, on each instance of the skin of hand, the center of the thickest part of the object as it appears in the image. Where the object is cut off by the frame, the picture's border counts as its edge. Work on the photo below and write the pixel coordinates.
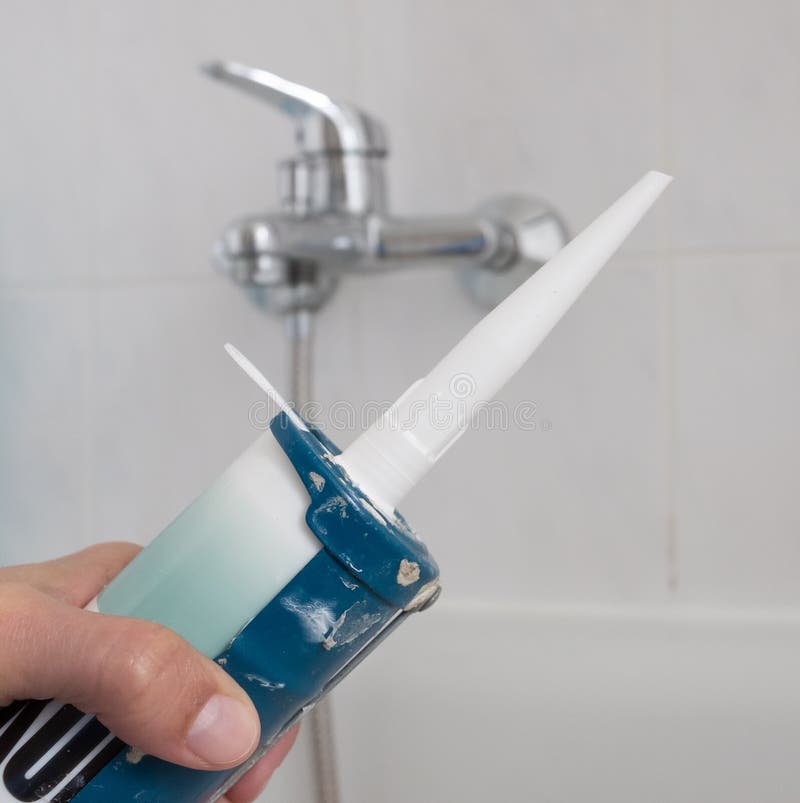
(143, 682)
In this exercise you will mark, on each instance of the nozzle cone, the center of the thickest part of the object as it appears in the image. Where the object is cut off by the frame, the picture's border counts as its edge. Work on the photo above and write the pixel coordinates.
(397, 451)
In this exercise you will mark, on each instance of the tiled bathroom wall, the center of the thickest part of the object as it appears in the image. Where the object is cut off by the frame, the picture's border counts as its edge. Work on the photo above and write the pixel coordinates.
(624, 575)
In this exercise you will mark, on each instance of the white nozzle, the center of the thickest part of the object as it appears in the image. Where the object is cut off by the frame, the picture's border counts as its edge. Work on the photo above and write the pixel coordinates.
(399, 449)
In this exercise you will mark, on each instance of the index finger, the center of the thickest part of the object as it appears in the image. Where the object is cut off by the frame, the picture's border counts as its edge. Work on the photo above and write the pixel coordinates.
(77, 578)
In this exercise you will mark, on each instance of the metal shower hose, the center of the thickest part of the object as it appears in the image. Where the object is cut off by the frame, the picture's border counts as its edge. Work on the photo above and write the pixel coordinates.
(300, 330)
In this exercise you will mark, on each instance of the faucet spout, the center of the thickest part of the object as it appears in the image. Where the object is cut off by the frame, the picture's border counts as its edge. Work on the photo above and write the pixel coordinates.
(397, 241)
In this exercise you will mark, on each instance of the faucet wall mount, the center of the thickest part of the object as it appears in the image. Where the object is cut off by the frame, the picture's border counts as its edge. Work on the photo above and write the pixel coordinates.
(334, 217)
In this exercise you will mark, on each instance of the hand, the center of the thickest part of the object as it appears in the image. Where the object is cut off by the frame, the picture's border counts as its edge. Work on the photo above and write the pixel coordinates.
(143, 682)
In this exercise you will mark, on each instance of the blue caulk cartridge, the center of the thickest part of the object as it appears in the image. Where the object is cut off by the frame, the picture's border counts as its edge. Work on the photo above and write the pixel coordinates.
(295, 563)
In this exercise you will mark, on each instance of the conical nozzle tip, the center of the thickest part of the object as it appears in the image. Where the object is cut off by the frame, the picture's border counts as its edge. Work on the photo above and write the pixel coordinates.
(657, 180)
(387, 462)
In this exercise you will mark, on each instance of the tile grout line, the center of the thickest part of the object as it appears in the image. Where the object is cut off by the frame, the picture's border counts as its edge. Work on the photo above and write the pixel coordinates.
(90, 283)
(209, 279)
(93, 312)
(669, 612)
(355, 300)
(672, 538)
(90, 389)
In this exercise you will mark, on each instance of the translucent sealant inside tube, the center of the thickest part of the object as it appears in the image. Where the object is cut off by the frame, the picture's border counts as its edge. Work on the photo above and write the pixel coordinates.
(400, 448)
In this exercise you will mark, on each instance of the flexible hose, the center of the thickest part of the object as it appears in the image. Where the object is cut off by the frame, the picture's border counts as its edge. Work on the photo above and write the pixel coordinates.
(299, 332)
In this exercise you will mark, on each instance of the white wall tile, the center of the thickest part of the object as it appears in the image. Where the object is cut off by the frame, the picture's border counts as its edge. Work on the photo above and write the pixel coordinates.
(123, 160)
(44, 426)
(294, 780)
(737, 445)
(560, 100)
(47, 138)
(735, 118)
(574, 706)
(180, 155)
(380, 334)
(170, 410)
(575, 509)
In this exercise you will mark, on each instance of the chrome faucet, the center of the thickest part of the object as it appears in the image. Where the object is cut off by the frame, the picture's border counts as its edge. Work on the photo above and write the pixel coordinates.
(335, 217)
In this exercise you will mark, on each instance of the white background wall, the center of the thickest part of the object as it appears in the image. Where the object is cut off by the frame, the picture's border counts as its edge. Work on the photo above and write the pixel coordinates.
(650, 537)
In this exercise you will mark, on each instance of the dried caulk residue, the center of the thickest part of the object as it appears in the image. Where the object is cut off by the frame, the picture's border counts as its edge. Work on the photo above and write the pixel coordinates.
(350, 565)
(317, 479)
(335, 503)
(408, 573)
(272, 685)
(329, 642)
(349, 626)
(134, 755)
(316, 616)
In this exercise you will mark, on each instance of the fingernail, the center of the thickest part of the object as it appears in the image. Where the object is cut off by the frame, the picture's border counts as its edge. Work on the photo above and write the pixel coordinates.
(224, 732)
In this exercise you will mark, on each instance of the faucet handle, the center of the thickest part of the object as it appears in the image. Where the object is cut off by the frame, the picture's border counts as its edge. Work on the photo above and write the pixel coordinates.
(322, 125)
